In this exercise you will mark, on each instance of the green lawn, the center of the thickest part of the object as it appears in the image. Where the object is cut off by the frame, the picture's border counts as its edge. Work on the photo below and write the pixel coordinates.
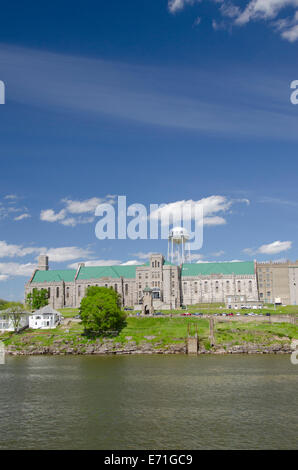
(162, 331)
(205, 309)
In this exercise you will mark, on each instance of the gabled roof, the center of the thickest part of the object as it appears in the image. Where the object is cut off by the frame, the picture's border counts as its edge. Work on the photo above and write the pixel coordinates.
(56, 275)
(205, 269)
(47, 310)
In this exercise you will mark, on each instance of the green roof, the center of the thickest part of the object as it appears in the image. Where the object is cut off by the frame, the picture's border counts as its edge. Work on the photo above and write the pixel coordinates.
(87, 272)
(96, 272)
(205, 269)
(57, 275)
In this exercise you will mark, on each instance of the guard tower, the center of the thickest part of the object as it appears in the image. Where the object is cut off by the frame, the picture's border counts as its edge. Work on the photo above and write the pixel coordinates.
(147, 308)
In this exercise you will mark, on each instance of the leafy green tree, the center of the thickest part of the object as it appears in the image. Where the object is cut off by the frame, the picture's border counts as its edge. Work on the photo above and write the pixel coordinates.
(3, 304)
(15, 312)
(101, 312)
(37, 299)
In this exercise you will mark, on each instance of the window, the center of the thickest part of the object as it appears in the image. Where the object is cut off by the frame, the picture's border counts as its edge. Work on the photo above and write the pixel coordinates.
(206, 286)
(49, 292)
(216, 286)
(57, 292)
(126, 289)
(79, 291)
(228, 286)
(67, 292)
(196, 287)
(250, 287)
(116, 288)
(239, 286)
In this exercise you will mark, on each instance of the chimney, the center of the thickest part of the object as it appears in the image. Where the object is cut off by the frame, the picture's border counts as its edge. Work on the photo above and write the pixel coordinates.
(43, 263)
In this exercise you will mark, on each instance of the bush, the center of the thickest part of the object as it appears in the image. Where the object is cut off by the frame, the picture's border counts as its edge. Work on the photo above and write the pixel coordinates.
(101, 312)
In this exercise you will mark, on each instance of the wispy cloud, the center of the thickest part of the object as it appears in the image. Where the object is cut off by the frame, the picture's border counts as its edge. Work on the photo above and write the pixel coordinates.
(105, 262)
(252, 10)
(177, 5)
(149, 95)
(9, 207)
(56, 255)
(26, 215)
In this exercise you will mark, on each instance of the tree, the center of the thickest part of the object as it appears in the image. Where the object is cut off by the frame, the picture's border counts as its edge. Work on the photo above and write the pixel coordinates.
(101, 312)
(15, 313)
(3, 304)
(37, 299)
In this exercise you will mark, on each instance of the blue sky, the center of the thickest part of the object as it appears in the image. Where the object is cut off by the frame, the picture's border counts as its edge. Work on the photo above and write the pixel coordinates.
(159, 101)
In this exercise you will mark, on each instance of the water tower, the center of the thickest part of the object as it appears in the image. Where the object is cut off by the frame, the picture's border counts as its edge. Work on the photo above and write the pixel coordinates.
(178, 248)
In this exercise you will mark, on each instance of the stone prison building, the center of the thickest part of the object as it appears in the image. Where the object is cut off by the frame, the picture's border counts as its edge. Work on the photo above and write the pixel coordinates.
(171, 286)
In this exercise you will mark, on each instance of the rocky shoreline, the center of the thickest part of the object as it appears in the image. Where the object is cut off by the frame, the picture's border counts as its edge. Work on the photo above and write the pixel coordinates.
(109, 347)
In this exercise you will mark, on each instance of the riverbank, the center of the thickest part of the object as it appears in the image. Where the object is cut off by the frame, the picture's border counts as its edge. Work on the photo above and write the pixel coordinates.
(156, 336)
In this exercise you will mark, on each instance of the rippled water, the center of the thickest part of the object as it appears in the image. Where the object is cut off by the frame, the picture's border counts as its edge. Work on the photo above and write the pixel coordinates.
(149, 402)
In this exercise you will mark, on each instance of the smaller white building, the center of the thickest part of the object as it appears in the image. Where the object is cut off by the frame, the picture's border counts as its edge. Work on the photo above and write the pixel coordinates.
(44, 318)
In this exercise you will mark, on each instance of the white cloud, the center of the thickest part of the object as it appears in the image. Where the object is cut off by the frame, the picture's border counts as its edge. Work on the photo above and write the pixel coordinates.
(3, 277)
(48, 215)
(71, 214)
(16, 269)
(23, 216)
(270, 248)
(12, 251)
(72, 221)
(105, 262)
(132, 262)
(178, 5)
(214, 221)
(218, 253)
(56, 255)
(81, 207)
(253, 10)
(197, 257)
(142, 255)
(275, 247)
(211, 205)
(263, 9)
(11, 197)
(66, 253)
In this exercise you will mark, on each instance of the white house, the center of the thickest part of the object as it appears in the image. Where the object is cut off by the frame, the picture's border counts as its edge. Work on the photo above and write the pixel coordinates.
(11, 321)
(44, 318)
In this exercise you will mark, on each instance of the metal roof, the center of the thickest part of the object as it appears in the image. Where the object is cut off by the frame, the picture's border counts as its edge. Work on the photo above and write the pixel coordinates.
(228, 268)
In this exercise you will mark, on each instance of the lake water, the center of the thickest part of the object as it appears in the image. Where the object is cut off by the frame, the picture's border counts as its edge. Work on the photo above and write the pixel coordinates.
(149, 402)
